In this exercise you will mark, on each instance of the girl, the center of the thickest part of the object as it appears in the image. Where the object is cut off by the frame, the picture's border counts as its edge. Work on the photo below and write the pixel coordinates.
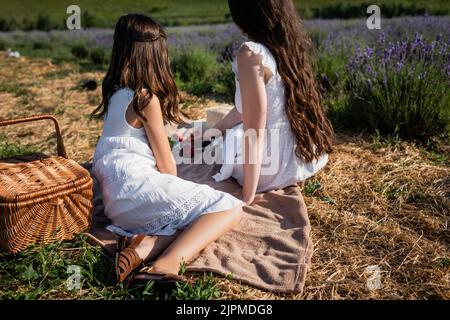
(275, 91)
(135, 167)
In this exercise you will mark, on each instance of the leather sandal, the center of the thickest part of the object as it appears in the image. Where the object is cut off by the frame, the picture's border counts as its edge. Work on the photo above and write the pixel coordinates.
(127, 259)
(163, 281)
(122, 243)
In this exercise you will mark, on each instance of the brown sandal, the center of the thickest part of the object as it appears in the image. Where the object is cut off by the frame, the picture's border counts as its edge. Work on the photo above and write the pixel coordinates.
(122, 243)
(163, 281)
(150, 274)
(127, 259)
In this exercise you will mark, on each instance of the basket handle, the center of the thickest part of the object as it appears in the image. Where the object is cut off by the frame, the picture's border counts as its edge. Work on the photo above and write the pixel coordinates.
(61, 150)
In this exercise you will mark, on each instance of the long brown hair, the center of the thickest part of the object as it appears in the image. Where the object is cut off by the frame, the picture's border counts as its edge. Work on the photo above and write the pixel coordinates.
(276, 24)
(140, 61)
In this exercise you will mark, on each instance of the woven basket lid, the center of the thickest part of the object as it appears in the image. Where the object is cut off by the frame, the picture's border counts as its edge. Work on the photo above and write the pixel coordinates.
(42, 178)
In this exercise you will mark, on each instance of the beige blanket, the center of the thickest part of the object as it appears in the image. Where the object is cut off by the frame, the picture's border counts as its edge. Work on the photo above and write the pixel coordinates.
(271, 248)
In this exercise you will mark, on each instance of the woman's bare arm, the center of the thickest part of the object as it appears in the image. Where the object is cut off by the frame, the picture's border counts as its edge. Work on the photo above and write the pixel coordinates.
(254, 114)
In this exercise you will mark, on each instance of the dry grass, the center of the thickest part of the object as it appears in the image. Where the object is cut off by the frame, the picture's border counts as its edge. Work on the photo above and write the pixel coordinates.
(388, 207)
(392, 210)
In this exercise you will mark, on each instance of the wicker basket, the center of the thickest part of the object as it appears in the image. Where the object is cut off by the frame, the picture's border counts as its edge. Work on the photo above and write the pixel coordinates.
(44, 200)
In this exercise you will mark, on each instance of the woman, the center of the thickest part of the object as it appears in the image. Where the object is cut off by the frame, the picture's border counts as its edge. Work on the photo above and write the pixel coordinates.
(277, 101)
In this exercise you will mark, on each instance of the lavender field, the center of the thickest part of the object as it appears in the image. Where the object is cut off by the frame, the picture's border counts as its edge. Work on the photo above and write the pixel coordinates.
(361, 71)
(328, 34)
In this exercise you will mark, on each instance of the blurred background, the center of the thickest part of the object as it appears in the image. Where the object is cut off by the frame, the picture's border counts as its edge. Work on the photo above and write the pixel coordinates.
(354, 64)
(51, 14)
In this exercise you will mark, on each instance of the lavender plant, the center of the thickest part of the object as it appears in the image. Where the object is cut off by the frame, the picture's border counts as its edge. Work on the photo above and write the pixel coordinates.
(386, 79)
(400, 87)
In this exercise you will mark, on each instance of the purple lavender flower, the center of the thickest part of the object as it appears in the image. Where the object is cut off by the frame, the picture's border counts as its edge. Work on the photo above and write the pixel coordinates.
(382, 38)
(368, 53)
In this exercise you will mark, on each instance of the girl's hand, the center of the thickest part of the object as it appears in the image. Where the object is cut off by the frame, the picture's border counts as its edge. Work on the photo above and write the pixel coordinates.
(197, 133)
(204, 133)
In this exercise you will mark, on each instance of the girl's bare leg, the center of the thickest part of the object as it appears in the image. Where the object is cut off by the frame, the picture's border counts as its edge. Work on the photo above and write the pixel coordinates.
(195, 238)
(153, 246)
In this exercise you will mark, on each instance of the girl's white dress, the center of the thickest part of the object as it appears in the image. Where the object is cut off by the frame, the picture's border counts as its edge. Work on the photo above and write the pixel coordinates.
(137, 197)
(281, 167)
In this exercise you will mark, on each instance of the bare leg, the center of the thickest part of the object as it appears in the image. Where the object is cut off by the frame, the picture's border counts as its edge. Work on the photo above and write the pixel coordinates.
(196, 237)
(152, 246)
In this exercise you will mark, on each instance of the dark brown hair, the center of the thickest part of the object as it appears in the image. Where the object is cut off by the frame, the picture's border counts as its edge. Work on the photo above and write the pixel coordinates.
(140, 61)
(276, 24)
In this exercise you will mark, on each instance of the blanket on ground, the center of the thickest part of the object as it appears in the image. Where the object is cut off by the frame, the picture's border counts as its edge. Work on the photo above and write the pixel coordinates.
(271, 249)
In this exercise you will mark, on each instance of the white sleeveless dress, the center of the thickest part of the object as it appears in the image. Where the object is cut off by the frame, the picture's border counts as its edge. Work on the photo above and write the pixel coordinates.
(281, 167)
(137, 197)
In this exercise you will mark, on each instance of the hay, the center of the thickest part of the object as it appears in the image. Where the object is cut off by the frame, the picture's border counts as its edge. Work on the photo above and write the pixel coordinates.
(387, 207)
(392, 210)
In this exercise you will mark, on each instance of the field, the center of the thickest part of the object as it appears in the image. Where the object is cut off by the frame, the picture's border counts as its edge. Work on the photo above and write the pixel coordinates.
(52, 13)
(383, 200)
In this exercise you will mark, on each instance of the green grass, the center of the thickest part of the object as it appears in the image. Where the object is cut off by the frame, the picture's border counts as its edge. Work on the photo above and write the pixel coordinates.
(17, 89)
(8, 150)
(43, 271)
(46, 272)
(314, 188)
(199, 72)
(435, 150)
(51, 13)
(383, 141)
(105, 13)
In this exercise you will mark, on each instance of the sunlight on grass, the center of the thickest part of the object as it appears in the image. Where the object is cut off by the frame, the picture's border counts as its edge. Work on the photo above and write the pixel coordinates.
(42, 272)
(8, 150)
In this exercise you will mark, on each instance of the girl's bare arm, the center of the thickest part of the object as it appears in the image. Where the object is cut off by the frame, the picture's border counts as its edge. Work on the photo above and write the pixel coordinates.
(157, 137)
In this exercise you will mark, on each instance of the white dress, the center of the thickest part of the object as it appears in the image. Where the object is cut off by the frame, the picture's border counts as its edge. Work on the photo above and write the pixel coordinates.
(281, 167)
(137, 197)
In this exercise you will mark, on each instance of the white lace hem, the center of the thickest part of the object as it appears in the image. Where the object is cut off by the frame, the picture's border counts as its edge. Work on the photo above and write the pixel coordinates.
(181, 216)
